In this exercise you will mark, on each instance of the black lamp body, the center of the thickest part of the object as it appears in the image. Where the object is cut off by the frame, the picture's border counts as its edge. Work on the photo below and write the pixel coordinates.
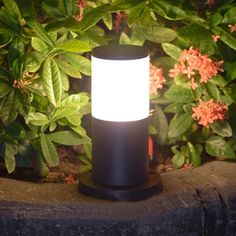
(119, 149)
(120, 152)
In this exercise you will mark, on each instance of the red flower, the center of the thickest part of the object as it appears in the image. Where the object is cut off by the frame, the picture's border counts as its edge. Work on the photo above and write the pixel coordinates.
(150, 147)
(156, 79)
(208, 112)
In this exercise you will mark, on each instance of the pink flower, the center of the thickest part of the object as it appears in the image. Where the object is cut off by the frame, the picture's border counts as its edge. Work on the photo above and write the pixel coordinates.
(156, 79)
(193, 63)
(232, 28)
(208, 112)
(215, 37)
(120, 19)
(81, 4)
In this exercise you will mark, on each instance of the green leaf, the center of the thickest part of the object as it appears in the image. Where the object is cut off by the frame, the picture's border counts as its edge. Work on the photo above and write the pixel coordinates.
(171, 50)
(81, 63)
(179, 95)
(166, 10)
(49, 151)
(75, 101)
(80, 130)
(39, 30)
(231, 91)
(66, 138)
(12, 9)
(152, 130)
(230, 16)
(51, 78)
(166, 63)
(179, 124)
(158, 34)
(62, 112)
(22, 103)
(137, 37)
(124, 39)
(8, 111)
(219, 80)
(222, 128)
(37, 119)
(174, 108)
(53, 126)
(213, 91)
(107, 19)
(16, 50)
(16, 130)
(217, 147)
(68, 69)
(9, 157)
(4, 89)
(119, 5)
(194, 155)
(215, 19)
(225, 37)
(32, 61)
(65, 83)
(194, 34)
(161, 124)
(38, 44)
(188, 108)
(69, 6)
(178, 160)
(36, 87)
(197, 93)
(87, 163)
(74, 46)
(27, 8)
(135, 13)
(74, 119)
(90, 19)
(231, 72)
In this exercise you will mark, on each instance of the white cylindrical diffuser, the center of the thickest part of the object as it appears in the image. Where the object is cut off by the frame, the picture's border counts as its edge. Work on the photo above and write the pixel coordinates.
(120, 88)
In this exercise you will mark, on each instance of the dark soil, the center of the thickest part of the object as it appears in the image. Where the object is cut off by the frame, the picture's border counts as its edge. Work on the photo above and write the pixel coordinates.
(67, 171)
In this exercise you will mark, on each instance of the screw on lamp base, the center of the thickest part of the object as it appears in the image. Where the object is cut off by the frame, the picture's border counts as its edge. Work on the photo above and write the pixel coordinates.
(150, 187)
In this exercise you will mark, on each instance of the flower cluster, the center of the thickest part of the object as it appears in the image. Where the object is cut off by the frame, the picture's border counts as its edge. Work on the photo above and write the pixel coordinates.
(81, 4)
(208, 112)
(156, 79)
(193, 63)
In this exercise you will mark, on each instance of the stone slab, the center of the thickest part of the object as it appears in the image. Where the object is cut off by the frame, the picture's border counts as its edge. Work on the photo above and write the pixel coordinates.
(200, 201)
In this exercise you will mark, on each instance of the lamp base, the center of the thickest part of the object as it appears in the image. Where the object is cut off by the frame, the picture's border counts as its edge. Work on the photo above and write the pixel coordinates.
(151, 186)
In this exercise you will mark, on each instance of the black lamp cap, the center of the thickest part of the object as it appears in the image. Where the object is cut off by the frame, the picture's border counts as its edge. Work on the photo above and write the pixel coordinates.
(120, 52)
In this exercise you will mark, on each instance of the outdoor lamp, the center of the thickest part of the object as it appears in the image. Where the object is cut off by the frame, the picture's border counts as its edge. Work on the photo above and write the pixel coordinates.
(120, 110)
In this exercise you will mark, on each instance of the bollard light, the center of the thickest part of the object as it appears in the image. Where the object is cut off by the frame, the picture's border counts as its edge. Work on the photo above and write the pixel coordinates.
(120, 110)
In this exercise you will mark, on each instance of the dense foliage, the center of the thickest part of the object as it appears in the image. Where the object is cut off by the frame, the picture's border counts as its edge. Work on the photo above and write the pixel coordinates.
(44, 47)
